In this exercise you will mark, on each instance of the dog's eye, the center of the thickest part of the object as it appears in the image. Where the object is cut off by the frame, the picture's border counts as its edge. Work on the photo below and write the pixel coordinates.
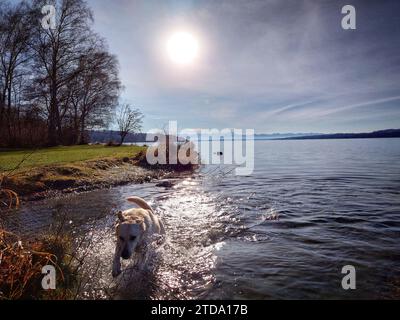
(121, 238)
(132, 238)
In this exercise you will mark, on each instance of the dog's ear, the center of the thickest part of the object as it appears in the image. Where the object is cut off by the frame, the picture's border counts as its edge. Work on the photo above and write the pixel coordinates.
(120, 216)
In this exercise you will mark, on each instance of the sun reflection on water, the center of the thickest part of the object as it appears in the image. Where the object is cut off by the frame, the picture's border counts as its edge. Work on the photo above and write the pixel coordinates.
(183, 268)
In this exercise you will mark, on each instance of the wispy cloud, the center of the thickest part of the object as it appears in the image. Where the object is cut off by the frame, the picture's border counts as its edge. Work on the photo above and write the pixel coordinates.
(359, 105)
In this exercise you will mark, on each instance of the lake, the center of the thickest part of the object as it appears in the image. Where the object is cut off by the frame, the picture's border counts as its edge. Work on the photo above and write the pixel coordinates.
(285, 232)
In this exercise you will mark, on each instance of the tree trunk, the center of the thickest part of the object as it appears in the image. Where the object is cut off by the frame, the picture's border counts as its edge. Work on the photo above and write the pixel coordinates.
(82, 139)
(123, 136)
(2, 127)
(2, 107)
(53, 133)
(9, 119)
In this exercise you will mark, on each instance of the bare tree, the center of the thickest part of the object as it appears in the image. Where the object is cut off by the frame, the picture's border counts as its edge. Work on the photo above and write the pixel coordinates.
(14, 36)
(129, 120)
(94, 93)
(57, 58)
(55, 84)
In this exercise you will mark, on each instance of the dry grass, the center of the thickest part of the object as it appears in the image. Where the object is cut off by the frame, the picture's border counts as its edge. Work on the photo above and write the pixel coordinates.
(12, 199)
(8, 198)
(21, 267)
(21, 262)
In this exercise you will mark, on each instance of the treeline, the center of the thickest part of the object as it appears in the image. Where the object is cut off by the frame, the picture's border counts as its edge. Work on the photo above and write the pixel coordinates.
(105, 136)
(55, 83)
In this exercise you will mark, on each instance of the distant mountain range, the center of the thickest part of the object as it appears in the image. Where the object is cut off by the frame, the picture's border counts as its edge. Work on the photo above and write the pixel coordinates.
(107, 135)
(390, 133)
(278, 136)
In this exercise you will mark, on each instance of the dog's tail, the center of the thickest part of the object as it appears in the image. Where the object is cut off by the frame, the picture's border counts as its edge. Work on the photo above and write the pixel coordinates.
(140, 202)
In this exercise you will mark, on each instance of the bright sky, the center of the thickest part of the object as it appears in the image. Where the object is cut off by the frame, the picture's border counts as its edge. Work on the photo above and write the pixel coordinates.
(271, 65)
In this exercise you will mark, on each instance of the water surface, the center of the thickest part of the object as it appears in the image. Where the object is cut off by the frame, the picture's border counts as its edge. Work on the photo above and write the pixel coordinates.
(310, 208)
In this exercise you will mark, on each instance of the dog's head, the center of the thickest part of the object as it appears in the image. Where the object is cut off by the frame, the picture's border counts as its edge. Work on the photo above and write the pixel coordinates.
(129, 233)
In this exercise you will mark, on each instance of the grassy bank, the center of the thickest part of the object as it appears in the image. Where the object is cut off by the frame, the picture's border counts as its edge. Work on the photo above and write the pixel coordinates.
(46, 172)
(62, 155)
(35, 174)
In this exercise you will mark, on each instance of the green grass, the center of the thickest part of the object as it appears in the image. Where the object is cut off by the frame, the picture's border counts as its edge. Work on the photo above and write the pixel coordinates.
(62, 155)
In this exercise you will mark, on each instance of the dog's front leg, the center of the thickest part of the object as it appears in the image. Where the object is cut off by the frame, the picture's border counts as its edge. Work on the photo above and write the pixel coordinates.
(116, 271)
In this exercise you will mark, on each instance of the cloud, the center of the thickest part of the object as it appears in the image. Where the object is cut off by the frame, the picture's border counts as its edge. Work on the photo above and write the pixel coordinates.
(359, 105)
(269, 65)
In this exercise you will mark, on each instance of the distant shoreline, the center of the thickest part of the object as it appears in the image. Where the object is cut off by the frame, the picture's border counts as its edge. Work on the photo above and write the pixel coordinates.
(312, 138)
(391, 133)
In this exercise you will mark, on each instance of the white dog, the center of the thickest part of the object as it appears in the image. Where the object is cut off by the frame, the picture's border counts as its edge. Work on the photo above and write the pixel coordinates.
(134, 230)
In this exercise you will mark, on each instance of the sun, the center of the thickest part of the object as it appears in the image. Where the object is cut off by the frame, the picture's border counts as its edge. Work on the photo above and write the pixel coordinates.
(182, 48)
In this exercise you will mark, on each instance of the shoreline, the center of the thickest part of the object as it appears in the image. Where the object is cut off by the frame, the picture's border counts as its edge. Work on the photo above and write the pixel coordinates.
(52, 181)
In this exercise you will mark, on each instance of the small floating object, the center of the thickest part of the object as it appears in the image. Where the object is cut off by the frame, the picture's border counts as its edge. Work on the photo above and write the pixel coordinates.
(220, 154)
(165, 184)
